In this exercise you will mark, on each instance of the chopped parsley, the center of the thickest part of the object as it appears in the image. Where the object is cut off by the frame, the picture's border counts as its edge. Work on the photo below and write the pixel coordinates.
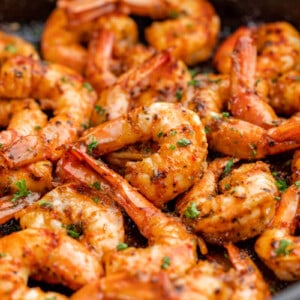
(281, 185)
(74, 230)
(22, 190)
(173, 132)
(174, 14)
(207, 129)
(45, 203)
(166, 261)
(194, 72)
(283, 248)
(228, 166)
(11, 48)
(178, 95)
(122, 246)
(172, 147)
(194, 82)
(37, 127)
(225, 114)
(96, 185)
(297, 184)
(183, 142)
(191, 212)
(92, 145)
(87, 86)
(3, 254)
(96, 200)
(160, 134)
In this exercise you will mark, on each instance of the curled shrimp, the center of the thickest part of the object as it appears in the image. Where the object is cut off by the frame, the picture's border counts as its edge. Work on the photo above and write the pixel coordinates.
(44, 255)
(26, 117)
(242, 139)
(67, 94)
(96, 223)
(278, 47)
(190, 31)
(159, 78)
(181, 157)
(242, 209)
(277, 247)
(171, 247)
(244, 103)
(11, 45)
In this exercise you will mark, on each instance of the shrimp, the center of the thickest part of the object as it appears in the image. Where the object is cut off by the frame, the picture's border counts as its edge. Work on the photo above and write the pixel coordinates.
(206, 280)
(244, 103)
(97, 224)
(181, 157)
(171, 247)
(11, 45)
(70, 98)
(242, 139)
(278, 48)
(26, 118)
(277, 247)
(243, 208)
(44, 255)
(190, 31)
(159, 78)
(128, 286)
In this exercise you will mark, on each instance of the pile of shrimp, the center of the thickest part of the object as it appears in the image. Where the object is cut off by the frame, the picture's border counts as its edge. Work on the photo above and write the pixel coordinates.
(126, 173)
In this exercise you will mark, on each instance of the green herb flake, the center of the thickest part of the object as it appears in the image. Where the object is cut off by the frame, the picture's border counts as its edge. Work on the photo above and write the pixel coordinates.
(172, 147)
(86, 126)
(65, 80)
(178, 95)
(2, 254)
(228, 166)
(74, 230)
(97, 185)
(193, 72)
(166, 261)
(174, 14)
(122, 246)
(1, 145)
(217, 81)
(45, 203)
(281, 185)
(283, 248)
(207, 129)
(183, 142)
(173, 132)
(225, 114)
(160, 134)
(87, 86)
(11, 48)
(191, 212)
(37, 128)
(257, 82)
(194, 82)
(96, 200)
(50, 298)
(92, 145)
(277, 198)
(100, 110)
(227, 186)
(22, 190)
(297, 184)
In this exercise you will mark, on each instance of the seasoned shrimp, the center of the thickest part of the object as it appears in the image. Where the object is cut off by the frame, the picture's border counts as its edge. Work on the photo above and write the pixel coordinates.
(13, 278)
(244, 103)
(242, 139)
(181, 157)
(277, 247)
(26, 118)
(190, 31)
(70, 98)
(243, 208)
(45, 255)
(159, 78)
(171, 247)
(128, 286)
(11, 45)
(278, 48)
(97, 224)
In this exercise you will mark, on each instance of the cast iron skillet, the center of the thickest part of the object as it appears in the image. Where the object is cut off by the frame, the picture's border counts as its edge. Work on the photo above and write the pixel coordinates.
(25, 17)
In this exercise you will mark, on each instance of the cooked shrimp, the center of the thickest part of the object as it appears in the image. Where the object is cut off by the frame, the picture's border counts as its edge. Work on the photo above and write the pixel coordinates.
(128, 286)
(243, 208)
(11, 45)
(171, 247)
(190, 31)
(278, 248)
(70, 98)
(97, 224)
(45, 255)
(181, 157)
(244, 103)
(26, 118)
(242, 139)
(285, 93)
(278, 48)
(61, 43)
(13, 282)
(159, 78)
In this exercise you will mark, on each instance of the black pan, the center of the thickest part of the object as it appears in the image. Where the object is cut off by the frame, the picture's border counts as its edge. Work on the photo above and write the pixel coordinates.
(26, 17)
